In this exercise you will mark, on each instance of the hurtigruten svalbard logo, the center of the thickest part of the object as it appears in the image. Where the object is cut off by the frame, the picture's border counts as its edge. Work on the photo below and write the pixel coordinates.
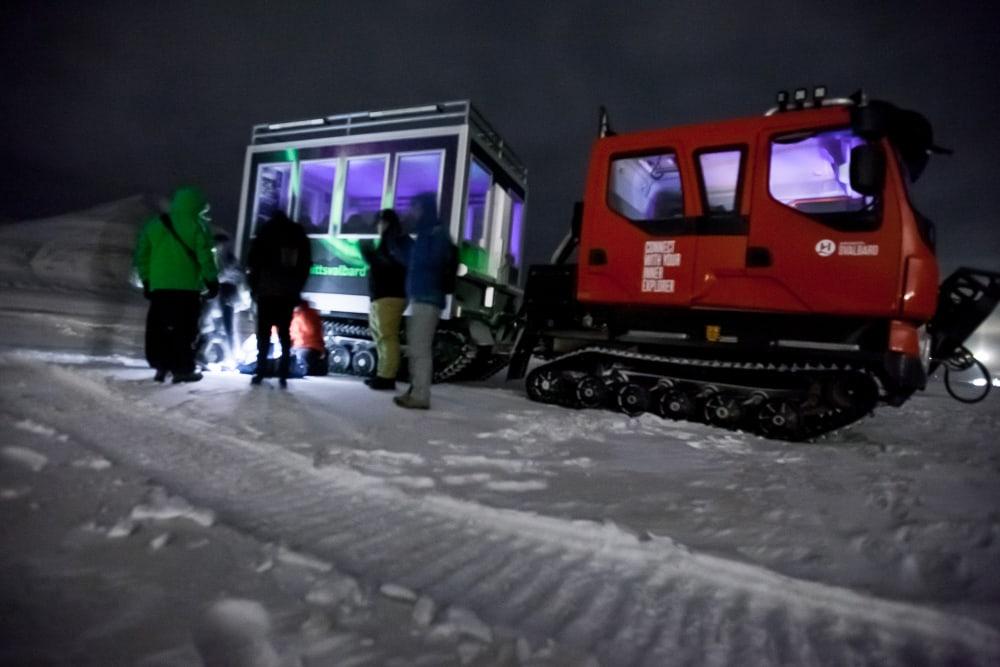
(826, 248)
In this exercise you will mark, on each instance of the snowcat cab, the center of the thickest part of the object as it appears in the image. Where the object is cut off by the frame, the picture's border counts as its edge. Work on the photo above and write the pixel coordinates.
(333, 174)
(767, 274)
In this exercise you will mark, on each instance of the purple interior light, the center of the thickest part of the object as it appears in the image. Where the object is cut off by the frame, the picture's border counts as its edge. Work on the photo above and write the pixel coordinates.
(416, 174)
(516, 222)
(362, 195)
(315, 193)
(475, 214)
(813, 174)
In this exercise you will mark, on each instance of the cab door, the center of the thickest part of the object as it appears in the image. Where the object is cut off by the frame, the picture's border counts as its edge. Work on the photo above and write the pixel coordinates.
(722, 227)
(638, 243)
(831, 250)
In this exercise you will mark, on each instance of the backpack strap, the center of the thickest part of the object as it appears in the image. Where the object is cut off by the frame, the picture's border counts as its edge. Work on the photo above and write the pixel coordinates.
(169, 224)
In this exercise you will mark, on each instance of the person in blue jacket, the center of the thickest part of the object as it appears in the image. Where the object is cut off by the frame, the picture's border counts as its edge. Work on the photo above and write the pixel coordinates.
(430, 258)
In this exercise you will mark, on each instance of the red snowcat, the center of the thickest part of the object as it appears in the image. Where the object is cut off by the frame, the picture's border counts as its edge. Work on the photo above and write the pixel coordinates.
(768, 274)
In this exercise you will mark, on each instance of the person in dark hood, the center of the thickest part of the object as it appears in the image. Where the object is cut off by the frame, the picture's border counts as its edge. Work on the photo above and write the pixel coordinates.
(278, 266)
(387, 290)
(430, 267)
(173, 257)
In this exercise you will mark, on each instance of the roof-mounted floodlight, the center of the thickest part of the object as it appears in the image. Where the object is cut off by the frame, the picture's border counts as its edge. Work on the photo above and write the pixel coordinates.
(819, 94)
(800, 97)
(782, 99)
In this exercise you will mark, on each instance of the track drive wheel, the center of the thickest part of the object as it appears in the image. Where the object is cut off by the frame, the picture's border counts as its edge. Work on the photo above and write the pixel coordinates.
(672, 402)
(724, 409)
(364, 361)
(339, 359)
(589, 392)
(780, 418)
(632, 399)
(545, 385)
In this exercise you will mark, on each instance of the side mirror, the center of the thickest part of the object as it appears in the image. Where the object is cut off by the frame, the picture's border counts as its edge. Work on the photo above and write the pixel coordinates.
(867, 169)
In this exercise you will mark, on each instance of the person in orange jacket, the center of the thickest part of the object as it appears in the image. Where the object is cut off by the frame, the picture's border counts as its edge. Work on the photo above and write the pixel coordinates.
(307, 339)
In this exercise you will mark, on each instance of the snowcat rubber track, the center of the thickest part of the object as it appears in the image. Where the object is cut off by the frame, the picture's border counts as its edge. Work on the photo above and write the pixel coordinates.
(453, 350)
(785, 402)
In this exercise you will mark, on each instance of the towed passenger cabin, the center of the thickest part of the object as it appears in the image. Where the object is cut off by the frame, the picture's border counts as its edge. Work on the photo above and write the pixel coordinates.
(333, 174)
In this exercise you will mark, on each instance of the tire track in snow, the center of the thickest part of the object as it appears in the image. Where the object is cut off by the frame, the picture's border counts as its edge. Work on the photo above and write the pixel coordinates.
(674, 606)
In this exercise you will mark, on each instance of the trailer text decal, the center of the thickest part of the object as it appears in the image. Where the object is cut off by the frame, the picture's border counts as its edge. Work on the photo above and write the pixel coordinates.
(658, 256)
(348, 271)
(826, 247)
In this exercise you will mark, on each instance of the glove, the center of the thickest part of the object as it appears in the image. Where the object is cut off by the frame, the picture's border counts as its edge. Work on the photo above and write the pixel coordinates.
(211, 289)
(146, 292)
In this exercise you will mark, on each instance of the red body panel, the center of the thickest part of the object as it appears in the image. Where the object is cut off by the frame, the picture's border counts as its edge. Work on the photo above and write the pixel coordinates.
(886, 273)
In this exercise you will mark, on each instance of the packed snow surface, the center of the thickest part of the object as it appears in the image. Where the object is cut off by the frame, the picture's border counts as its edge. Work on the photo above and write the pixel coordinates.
(512, 532)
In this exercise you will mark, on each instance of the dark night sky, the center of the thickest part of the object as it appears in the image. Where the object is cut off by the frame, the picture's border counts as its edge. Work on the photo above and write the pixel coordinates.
(104, 100)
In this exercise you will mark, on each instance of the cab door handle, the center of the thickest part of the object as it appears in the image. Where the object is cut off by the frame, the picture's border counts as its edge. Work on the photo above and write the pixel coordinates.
(758, 256)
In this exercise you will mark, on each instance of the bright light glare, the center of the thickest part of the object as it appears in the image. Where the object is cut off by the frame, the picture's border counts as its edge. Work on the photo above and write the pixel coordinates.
(979, 382)
(984, 355)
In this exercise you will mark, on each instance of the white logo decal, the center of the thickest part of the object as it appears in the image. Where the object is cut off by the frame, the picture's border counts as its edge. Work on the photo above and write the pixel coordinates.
(825, 248)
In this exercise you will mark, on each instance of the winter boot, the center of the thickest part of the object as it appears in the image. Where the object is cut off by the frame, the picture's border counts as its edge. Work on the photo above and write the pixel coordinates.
(407, 401)
(379, 383)
(193, 376)
(256, 379)
(161, 375)
(283, 383)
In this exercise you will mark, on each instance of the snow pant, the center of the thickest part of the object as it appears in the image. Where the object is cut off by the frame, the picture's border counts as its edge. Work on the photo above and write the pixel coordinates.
(171, 330)
(420, 328)
(384, 318)
(228, 295)
(274, 312)
(310, 362)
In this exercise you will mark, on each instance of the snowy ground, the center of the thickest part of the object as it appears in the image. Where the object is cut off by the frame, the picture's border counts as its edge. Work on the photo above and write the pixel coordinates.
(490, 530)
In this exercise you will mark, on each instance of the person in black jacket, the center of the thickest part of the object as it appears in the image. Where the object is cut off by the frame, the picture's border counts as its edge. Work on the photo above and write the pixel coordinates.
(277, 269)
(387, 289)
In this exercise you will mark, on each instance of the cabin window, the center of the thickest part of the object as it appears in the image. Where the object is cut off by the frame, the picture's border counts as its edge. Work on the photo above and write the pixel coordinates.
(810, 172)
(273, 191)
(720, 180)
(316, 184)
(477, 207)
(417, 173)
(363, 191)
(646, 188)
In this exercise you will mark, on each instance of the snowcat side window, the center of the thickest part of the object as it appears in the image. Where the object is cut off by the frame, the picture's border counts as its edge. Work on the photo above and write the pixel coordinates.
(417, 173)
(811, 173)
(646, 188)
(273, 191)
(316, 195)
(720, 180)
(363, 191)
(477, 207)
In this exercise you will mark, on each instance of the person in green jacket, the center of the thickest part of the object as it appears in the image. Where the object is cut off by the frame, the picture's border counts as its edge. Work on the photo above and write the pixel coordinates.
(174, 260)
